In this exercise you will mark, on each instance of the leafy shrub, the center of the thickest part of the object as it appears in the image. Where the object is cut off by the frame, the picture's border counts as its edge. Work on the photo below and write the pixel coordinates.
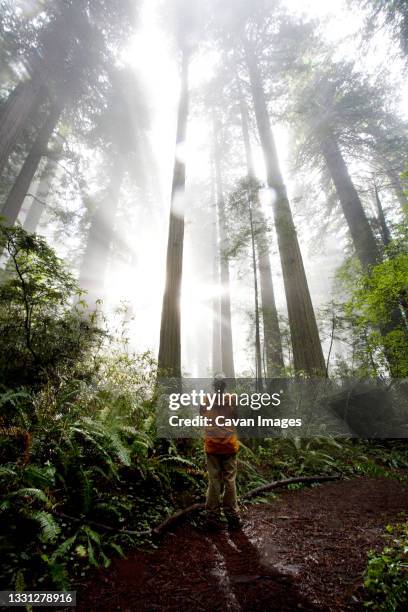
(386, 576)
(43, 335)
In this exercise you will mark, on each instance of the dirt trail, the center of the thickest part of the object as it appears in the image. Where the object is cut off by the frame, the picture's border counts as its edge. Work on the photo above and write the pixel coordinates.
(306, 551)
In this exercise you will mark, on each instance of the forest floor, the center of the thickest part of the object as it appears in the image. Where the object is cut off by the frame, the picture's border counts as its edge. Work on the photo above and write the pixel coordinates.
(304, 551)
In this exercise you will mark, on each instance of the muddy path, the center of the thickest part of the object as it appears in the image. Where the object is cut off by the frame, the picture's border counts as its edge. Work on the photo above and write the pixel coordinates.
(305, 551)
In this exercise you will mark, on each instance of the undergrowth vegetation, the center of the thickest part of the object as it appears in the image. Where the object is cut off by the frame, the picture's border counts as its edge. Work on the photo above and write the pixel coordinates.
(386, 577)
(82, 472)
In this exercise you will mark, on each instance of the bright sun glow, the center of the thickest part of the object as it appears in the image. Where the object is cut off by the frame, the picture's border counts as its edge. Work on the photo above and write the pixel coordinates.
(137, 275)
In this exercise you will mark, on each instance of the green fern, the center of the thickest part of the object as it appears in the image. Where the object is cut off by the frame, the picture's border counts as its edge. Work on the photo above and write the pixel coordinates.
(19, 582)
(33, 493)
(63, 548)
(178, 460)
(49, 527)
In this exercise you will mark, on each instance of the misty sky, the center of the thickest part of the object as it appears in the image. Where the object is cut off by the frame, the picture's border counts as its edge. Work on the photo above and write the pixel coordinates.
(139, 277)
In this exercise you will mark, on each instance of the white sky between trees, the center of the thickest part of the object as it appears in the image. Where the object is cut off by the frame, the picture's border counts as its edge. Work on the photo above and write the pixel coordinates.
(152, 57)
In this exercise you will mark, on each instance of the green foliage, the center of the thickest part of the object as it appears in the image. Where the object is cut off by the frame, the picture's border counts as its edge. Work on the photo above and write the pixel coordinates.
(386, 576)
(77, 436)
(80, 464)
(42, 336)
(367, 319)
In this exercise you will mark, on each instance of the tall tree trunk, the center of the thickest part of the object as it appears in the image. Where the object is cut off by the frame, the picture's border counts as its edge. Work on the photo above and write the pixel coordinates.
(307, 349)
(227, 350)
(100, 236)
(169, 359)
(361, 233)
(359, 227)
(55, 61)
(216, 305)
(22, 102)
(272, 336)
(272, 333)
(385, 232)
(398, 188)
(40, 200)
(258, 357)
(19, 190)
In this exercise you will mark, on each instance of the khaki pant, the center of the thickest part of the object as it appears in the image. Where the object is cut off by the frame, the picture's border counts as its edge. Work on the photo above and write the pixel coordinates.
(222, 472)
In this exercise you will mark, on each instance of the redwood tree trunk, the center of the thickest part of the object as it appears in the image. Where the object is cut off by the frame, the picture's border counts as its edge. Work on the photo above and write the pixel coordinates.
(23, 181)
(385, 232)
(307, 350)
(227, 350)
(216, 305)
(398, 188)
(271, 332)
(361, 233)
(100, 236)
(23, 100)
(359, 227)
(39, 202)
(169, 360)
(258, 357)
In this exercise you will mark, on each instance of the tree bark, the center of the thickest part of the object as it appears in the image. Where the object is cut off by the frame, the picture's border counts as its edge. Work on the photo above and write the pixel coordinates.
(307, 350)
(169, 360)
(22, 184)
(361, 233)
(227, 350)
(22, 102)
(216, 305)
(40, 199)
(272, 336)
(42, 66)
(100, 236)
(398, 189)
(385, 232)
(258, 357)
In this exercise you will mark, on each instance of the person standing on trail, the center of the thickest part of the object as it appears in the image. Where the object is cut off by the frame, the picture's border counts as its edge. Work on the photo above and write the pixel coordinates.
(221, 447)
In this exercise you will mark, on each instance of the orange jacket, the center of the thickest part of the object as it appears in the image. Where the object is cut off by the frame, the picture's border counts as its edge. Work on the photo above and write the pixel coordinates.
(220, 439)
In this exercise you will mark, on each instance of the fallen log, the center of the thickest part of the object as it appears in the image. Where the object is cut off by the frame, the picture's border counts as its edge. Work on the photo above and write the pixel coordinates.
(287, 481)
(174, 518)
(179, 514)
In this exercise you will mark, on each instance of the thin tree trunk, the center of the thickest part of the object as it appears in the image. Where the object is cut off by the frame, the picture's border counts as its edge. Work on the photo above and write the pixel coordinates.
(22, 184)
(39, 202)
(361, 233)
(22, 102)
(48, 63)
(359, 227)
(258, 358)
(169, 360)
(227, 350)
(216, 305)
(385, 232)
(307, 349)
(100, 236)
(398, 189)
(272, 336)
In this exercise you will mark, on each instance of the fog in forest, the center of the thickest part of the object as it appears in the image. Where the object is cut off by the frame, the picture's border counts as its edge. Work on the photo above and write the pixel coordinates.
(118, 159)
(204, 304)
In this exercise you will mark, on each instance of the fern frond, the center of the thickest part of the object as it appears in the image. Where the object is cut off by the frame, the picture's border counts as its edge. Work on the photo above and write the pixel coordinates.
(49, 527)
(63, 548)
(31, 492)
